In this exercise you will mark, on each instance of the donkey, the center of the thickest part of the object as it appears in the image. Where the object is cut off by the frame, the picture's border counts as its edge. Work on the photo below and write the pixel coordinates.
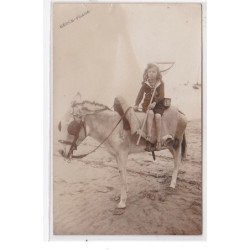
(85, 118)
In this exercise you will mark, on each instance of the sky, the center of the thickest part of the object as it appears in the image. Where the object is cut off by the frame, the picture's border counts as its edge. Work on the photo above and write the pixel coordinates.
(103, 53)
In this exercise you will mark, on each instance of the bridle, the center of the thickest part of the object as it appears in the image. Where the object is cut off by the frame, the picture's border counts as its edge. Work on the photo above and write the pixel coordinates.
(73, 145)
(82, 124)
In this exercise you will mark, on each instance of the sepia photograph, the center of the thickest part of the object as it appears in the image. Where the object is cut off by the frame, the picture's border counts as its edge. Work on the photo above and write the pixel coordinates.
(127, 119)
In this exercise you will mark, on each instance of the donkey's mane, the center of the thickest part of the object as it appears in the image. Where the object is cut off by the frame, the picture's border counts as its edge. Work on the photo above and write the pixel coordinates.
(93, 106)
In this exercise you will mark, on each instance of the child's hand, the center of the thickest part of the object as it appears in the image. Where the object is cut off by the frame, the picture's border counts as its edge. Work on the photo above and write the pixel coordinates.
(135, 108)
(152, 105)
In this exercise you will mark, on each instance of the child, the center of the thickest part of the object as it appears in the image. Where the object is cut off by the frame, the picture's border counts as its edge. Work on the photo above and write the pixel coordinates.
(152, 78)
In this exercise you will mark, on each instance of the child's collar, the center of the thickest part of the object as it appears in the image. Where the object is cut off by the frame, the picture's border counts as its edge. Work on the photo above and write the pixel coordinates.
(157, 84)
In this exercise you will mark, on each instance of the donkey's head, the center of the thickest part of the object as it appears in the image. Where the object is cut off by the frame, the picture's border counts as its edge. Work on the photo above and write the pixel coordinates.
(72, 128)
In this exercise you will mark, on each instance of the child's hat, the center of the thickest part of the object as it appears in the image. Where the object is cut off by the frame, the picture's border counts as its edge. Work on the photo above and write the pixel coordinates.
(163, 66)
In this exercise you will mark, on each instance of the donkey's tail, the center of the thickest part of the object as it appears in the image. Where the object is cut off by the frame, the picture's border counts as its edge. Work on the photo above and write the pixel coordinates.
(184, 148)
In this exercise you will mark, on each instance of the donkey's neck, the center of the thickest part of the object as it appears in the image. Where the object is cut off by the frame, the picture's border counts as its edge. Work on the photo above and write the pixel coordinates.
(101, 124)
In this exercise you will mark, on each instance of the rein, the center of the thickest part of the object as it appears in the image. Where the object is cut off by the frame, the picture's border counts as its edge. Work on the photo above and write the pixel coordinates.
(82, 123)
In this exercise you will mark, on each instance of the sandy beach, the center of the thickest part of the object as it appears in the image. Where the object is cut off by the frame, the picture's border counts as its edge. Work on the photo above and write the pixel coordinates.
(86, 192)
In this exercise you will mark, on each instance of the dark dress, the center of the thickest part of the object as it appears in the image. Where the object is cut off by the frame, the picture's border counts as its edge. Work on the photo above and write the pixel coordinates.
(146, 91)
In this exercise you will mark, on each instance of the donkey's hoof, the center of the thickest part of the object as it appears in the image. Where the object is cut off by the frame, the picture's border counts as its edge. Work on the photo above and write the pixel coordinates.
(172, 185)
(121, 205)
(118, 211)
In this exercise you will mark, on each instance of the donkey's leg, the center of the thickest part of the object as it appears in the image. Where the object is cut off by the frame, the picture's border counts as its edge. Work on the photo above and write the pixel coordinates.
(150, 119)
(177, 161)
(158, 127)
(121, 159)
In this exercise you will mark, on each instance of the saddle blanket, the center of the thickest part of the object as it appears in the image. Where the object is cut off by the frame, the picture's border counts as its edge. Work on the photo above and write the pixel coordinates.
(172, 121)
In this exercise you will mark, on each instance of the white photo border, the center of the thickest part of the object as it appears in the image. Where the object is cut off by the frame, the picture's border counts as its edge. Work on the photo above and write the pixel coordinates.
(48, 133)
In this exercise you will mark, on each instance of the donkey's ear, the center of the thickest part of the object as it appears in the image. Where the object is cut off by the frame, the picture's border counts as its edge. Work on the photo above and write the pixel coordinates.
(77, 99)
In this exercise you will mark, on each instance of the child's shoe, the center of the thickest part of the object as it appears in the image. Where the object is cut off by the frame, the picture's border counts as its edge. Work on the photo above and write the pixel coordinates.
(158, 146)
